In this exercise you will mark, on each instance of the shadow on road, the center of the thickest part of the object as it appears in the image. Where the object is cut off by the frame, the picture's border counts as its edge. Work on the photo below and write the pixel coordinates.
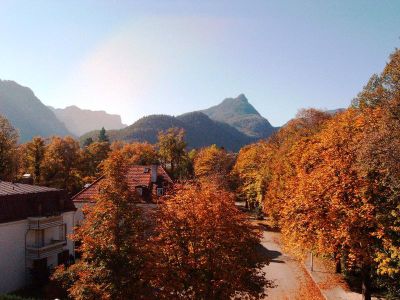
(270, 255)
(267, 227)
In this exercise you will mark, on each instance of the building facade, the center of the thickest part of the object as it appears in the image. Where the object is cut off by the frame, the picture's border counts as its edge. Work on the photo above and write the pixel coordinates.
(34, 226)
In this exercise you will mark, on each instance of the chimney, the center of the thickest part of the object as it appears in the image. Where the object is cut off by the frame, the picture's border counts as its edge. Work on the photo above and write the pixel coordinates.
(154, 173)
(27, 179)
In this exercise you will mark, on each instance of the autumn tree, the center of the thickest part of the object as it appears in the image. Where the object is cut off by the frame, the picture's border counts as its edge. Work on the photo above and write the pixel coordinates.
(32, 158)
(171, 149)
(282, 170)
(61, 164)
(92, 157)
(204, 247)
(113, 243)
(332, 182)
(252, 167)
(137, 153)
(214, 162)
(383, 87)
(341, 200)
(8, 147)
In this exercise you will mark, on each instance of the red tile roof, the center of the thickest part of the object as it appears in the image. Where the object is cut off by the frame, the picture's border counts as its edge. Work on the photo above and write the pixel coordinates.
(137, 176)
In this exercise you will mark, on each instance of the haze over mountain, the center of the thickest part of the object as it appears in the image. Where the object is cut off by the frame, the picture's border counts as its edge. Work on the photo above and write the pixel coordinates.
(26, 113)
(80, 121)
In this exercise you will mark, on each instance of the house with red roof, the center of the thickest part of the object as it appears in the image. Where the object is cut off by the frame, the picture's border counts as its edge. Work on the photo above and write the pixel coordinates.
(35, 222)
(149, 182)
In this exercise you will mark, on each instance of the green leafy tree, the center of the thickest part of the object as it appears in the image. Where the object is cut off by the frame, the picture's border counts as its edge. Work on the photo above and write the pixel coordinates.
(87, 142)
(103, 136)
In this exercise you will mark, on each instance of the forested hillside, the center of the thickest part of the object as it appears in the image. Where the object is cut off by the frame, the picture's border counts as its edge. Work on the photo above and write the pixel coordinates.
(200, 131)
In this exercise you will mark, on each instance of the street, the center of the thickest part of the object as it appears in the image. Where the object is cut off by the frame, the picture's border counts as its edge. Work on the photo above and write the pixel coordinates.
(290, 279)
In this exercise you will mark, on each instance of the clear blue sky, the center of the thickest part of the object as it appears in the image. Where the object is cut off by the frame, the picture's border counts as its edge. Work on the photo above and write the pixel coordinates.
(137, 58)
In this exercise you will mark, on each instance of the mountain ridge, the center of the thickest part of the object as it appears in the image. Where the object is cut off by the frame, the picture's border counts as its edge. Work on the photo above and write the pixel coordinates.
(232, 123)
(27, 113)
(239, 113)
(200, 131)
(80, 121)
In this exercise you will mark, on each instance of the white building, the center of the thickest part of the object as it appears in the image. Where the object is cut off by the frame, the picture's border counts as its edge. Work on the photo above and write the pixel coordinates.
(34, 224)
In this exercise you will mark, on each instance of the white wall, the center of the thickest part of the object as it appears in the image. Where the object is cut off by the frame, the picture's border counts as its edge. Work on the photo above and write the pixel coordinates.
(12, 255)
(13, 273)
(78, 213)
(79, 216)
(69, 219)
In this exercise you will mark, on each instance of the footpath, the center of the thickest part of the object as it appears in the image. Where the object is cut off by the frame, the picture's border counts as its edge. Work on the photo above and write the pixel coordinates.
(331, 285)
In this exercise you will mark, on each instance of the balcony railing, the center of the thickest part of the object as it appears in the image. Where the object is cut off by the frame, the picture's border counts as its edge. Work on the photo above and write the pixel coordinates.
(44, 222)
(38, 252)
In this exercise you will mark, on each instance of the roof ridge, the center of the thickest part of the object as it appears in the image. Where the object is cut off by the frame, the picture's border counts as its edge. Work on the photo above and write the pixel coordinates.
(97, 180)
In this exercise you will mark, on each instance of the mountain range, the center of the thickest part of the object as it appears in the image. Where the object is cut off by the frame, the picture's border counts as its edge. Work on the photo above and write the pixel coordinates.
(80, 121)
(231, 124)
(27, 113)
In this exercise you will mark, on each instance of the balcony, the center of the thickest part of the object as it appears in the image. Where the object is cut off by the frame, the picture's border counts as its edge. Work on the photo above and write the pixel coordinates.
(38, 252)
(44, 222)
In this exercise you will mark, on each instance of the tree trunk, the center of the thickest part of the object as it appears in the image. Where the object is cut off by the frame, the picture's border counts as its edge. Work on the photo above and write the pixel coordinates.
(366, 282)
(338, 266)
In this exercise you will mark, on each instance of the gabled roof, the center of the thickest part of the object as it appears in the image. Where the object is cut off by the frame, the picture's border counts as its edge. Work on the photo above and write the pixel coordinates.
(19, 201)
(137, 176)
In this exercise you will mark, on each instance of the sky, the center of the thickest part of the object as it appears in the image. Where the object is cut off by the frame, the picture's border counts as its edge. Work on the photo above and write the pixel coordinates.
(136, 58)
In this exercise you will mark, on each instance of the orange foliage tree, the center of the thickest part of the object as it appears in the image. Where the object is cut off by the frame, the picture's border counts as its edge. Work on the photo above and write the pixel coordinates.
(113, 243)
(32, 156)
(214, 162)
(252, 167)
(204, 247)
(61, 164)
(92, 157)
(137, 153)
(303, 127)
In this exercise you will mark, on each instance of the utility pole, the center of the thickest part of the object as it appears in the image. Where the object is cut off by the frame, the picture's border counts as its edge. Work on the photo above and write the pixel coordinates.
(312, 262)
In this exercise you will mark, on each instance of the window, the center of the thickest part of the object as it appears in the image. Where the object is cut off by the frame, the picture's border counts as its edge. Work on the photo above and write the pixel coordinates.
(160, 191)
(139, 191)
(39, 238)
(63, 232)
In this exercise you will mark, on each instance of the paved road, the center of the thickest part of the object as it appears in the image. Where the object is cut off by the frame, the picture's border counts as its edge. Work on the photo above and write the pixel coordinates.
(290, 279)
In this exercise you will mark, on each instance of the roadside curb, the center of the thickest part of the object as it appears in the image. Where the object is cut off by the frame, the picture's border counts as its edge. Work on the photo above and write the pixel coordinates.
(312, 278)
